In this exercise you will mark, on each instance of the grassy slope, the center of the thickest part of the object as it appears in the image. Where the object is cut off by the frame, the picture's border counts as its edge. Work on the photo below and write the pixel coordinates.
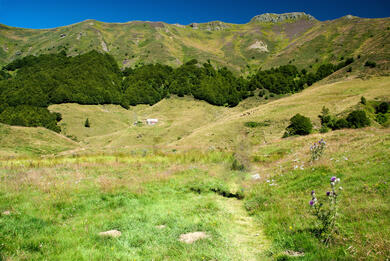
(77, 197)
(112, 127)
(59, 205)
(186, 123)
(302, 42)
(337, 97)
(361, 159)
(23, 141)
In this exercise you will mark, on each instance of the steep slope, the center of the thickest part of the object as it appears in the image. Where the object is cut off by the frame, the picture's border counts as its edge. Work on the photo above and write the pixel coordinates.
(27, 142)
(267, 40)
(338, 97)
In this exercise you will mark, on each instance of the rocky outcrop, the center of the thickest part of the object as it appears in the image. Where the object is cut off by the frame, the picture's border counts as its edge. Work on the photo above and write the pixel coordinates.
(275, 18)
(210, 26)
(194, 25)
(216, 26)
(260, 46)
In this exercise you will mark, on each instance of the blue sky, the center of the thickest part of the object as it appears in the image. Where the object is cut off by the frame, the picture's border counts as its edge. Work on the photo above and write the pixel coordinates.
(48, 14)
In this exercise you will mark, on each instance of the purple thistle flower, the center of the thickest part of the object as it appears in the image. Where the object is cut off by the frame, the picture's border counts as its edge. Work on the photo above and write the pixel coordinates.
(328, 193)
(312, 192)
(311, 202)
(333, 179)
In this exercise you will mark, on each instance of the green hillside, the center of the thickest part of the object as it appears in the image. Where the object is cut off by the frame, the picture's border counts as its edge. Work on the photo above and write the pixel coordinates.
(299, 39)
(215, 178)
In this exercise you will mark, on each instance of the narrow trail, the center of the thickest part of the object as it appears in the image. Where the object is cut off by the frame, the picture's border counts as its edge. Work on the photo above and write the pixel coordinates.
(245, 237)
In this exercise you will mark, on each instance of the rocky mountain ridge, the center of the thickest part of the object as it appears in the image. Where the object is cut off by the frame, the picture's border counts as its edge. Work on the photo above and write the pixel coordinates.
(267, 40)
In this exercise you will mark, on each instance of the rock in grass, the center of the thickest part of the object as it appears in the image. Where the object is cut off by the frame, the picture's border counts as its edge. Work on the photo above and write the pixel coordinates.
(160, 226)
(190, 238)
(111, 233)
(293, 253)
(6, 213)
(256, 176)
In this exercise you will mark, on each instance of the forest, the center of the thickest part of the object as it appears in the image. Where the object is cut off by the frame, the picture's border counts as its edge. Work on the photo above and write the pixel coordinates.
(30, 84)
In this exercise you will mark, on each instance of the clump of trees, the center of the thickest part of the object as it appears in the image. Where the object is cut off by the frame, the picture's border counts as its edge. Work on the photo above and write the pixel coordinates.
(95, 78)
(355, 119)
(31, 116)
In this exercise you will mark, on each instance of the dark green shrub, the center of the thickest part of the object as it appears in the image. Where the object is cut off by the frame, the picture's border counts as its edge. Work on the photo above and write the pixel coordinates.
(299, 125)
(324, 129)
(340, 124)
(261, 93)
(326, 118)
(382, 108)
(381, 118)
(237, 165)
(254, 124)
(370, 64)
(87, 124)
(358, 119)
(363, 100)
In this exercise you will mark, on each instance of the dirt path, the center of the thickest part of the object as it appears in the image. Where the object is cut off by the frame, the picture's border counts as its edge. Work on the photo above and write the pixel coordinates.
(245, 237)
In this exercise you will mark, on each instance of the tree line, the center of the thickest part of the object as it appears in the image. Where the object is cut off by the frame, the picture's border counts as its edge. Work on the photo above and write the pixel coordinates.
(95, 78)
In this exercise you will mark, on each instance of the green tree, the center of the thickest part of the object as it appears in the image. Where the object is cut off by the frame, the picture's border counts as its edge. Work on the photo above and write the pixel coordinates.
(87, 124)
(358, 119)
(299, 125)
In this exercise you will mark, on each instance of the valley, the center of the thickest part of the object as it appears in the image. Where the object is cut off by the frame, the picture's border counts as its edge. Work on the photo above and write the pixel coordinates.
(156, 141)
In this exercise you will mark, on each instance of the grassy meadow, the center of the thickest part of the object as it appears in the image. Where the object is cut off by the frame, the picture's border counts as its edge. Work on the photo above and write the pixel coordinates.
(156, 183)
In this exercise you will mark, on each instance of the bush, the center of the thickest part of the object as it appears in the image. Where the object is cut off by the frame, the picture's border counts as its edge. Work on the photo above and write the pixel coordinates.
(358, 119)
(87, 124)
(363, 100)
(261, 93)
(381, 118)
(299, 125)
(382, 108)
(324, 129)
(326, 118)
(237, 165)
(254, 124)
(340, 124)
(370, 64)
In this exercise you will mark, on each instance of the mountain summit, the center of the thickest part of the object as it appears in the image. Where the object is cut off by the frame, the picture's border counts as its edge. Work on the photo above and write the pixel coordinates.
(275, 18)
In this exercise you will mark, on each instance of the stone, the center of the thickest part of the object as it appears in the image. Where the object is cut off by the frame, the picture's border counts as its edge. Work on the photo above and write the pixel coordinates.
(260, 46)
(111, 233)
(255, 176)
(6, 213)
(190, 238)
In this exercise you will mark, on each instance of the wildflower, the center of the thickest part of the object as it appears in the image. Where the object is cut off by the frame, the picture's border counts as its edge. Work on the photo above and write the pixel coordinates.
(290, 227)
(340, 188)
(328, 193)
(333, 179)
(312, 192)
(311, 202)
